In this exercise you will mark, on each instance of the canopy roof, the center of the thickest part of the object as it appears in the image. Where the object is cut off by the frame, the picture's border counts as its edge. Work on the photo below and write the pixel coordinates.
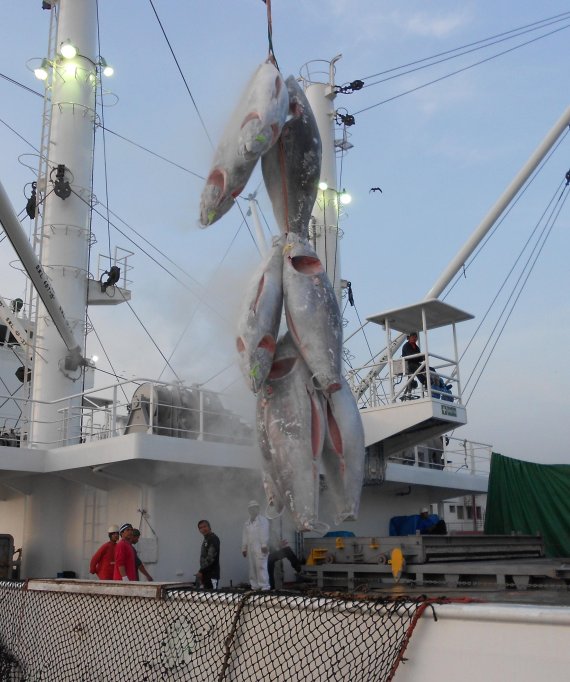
(409, 318)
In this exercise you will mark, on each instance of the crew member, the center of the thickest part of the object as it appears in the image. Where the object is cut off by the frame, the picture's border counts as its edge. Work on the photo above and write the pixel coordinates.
(255, 546)
(209, 573)
(103, 561)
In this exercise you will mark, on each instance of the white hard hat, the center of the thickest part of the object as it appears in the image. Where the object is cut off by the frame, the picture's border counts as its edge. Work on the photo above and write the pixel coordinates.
(113, 529)
(253, 503)
(425, 510)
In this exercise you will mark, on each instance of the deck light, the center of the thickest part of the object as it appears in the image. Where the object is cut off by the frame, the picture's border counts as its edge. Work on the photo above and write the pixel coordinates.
(107, 70)
(41, 73)
(323, 185)
(345, 198)
(67, 49)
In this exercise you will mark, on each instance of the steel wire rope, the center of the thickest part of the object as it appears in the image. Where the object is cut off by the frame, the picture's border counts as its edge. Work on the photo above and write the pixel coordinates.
(505, 280)
(20, 136)
(200, 300)
(105, 169)
(217, 374)
(461, 276)
(181, 73)
(107, 355)
(372, 356)
(513, 307)
(20, 85)
(267, 224)
(460, 54)
(528, 268)
(149, 335)
(454, 73)
(108, 130)
(232, 382)
(158, 156)
(158, 263)
(164, 255)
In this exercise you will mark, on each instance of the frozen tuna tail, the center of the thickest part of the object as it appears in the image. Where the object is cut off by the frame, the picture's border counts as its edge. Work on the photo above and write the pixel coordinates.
(254, 126)
(292, 167)
(259, 320)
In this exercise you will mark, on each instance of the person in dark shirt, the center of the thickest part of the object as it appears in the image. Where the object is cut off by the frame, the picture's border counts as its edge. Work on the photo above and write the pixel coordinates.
(411, 347)
(141, 568)
(209, 557)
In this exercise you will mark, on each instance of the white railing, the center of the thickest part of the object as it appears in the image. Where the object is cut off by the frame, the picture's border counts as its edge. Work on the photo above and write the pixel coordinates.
(454, 455)
(395, 385)
(137, 405)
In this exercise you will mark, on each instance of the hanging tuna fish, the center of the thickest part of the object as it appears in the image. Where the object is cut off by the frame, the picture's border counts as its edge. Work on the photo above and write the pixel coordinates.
(305, 409)
(343, 452)
(291, 427)
(292, 167)
(254, 126)
(259, 321)
(312, 312)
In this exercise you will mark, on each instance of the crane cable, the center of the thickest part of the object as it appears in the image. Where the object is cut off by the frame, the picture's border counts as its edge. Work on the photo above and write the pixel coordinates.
(527, 268)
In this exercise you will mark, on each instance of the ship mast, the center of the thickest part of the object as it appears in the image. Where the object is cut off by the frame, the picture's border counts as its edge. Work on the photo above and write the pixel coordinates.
(62, 238)
(318, 77)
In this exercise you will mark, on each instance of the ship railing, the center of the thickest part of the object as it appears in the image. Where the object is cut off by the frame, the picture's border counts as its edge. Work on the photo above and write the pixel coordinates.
(394, 384)
(108, 412)
(447, 453)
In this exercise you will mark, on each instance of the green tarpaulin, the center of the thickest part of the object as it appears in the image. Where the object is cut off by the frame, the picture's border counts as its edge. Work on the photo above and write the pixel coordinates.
(530, 498)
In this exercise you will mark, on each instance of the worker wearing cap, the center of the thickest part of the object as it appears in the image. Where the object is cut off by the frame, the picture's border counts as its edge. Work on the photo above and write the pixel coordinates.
(125, 558)
(255, 546)
(425, 524)
(103, 561)
(141, 568)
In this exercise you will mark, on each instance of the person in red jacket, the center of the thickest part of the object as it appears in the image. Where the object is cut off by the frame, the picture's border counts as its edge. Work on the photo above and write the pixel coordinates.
(103, 561)
(125, 557)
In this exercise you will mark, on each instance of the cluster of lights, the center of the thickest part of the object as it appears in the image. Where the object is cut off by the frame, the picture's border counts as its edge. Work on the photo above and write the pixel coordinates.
(68, 51)
(344, 197)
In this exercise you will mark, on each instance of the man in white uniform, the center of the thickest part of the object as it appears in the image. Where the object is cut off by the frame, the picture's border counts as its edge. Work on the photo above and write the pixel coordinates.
(255, 546)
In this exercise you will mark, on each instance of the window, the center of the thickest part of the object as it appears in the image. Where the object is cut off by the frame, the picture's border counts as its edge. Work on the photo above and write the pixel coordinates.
(452, 509)
(469, 512)
(460, 512)
(479, 513)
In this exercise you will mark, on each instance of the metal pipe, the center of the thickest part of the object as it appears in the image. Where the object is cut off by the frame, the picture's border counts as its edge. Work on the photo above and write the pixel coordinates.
(500, 205)
(36, 273)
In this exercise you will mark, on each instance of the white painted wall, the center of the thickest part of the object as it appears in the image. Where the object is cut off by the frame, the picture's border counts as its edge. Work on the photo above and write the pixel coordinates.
(491, 642)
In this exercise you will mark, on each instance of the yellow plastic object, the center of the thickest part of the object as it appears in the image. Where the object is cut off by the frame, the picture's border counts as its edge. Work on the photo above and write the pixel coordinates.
(374, 544)
(339, 543)
(398, 563)
(316, 556)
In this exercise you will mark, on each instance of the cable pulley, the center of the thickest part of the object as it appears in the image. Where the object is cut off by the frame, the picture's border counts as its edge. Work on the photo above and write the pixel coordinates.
(350, 88)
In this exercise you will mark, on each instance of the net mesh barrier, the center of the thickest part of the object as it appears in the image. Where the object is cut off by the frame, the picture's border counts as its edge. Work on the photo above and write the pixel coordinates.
(72, 633)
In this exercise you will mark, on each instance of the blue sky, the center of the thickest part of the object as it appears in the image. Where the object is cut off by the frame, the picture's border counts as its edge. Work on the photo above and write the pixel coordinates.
(442, 155)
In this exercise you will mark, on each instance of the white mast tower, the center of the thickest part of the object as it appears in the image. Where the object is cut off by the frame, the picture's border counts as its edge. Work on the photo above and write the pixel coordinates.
(63, 231)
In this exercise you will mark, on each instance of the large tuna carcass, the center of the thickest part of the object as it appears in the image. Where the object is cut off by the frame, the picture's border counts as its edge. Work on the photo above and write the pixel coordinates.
(343, 452)
(292, 167)
(254, 126)
(312, 312)
(291, 428)
(260, 317)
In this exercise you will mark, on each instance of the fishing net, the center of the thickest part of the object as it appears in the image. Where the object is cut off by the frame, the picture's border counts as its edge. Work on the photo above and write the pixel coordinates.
(99, 632)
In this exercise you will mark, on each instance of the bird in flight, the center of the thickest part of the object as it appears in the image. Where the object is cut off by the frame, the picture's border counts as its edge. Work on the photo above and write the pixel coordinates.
(375, 189)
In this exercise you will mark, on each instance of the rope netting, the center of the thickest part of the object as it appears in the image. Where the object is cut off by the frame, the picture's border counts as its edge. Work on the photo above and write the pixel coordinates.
(72, 633)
